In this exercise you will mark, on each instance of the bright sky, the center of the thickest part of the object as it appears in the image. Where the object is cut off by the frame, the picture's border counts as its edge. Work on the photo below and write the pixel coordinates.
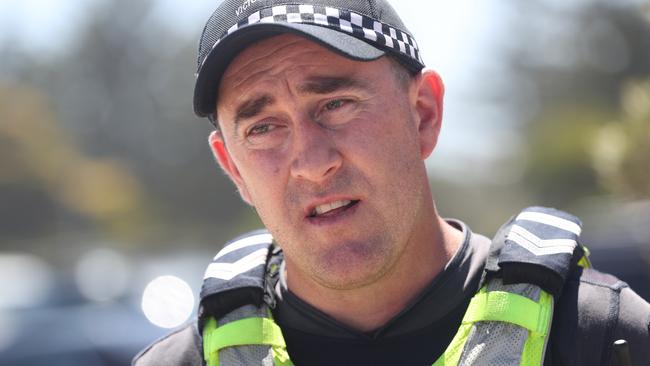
(455, 38)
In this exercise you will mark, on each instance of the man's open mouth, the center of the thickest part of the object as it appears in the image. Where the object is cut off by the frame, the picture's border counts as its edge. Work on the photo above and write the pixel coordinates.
(332, 208)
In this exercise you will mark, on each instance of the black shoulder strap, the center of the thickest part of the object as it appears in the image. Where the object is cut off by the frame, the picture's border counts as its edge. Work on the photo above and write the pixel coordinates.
(538, 246)
(237, 276)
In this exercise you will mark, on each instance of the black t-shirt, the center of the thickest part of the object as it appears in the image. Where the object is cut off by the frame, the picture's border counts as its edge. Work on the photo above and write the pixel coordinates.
(416, 336)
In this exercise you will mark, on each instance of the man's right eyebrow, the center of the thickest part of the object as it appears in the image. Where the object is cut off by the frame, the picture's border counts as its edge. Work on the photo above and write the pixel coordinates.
(252, 107)
(330, 84)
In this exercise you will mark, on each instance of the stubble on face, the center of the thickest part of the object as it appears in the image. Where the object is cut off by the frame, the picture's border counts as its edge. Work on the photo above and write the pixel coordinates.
(363, 256)
(379, 164)
(338, 263)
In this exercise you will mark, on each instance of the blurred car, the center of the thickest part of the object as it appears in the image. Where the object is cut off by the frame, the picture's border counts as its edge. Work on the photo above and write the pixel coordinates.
(620, 244)
(46, 320)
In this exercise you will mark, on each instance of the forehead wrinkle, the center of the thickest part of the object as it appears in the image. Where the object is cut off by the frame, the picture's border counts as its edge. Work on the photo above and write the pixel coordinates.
(239, 82)
(313, 82)
(249, 101)
(264, 67)
(248, 67)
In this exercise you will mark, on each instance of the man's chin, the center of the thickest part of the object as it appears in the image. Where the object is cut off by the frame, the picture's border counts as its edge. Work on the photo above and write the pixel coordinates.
(351, 266)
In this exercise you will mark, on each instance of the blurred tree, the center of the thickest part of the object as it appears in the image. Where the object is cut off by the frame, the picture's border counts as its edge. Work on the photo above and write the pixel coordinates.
(122, 116)
(621, 148)
(47, 174)
(587, 65)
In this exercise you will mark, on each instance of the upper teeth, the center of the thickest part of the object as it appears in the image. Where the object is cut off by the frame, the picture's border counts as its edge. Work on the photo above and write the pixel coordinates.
(321, 209)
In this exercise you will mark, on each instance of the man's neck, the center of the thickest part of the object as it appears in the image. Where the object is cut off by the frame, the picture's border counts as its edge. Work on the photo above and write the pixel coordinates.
(369, 307)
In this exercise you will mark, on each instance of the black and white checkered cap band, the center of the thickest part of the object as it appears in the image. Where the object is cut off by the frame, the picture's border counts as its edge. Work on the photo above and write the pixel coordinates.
(356, 24)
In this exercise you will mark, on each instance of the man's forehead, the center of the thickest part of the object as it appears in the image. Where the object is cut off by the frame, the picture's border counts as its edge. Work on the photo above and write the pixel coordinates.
(274, 48)
(258, 63)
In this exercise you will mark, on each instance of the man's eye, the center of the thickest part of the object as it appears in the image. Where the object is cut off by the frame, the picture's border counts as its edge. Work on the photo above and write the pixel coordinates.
(260, 129)
(335, 104)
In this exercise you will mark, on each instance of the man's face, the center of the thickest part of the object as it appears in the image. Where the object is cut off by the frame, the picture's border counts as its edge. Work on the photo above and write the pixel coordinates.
(330, 153)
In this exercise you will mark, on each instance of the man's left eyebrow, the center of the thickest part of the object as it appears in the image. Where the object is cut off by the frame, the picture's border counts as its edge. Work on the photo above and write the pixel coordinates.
(330, 84)
(252, 107)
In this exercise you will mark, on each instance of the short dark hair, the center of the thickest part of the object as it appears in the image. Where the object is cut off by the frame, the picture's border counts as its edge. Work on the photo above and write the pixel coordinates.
(402, 75)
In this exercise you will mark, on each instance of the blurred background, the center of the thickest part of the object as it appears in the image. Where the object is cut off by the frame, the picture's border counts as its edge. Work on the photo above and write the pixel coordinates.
(111, 205)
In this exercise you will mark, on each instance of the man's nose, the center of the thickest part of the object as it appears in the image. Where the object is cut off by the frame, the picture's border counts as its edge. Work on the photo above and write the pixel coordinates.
(316, 157)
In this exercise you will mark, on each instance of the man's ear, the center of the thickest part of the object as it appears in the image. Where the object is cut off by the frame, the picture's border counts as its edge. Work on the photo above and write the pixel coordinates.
(221, 154)
(428, 97)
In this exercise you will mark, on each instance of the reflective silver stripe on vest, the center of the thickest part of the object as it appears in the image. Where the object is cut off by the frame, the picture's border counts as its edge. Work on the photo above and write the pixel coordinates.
(489, 343)
(498, 343)
(245, 355)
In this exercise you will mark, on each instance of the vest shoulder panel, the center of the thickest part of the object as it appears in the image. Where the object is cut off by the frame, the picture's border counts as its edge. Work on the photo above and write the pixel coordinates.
(507, 322)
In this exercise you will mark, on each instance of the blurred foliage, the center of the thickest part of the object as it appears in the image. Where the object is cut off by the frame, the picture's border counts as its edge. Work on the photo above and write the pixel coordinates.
(100, 141)
(621, 147)
(47, 171)
(590, 135)
(560, 169)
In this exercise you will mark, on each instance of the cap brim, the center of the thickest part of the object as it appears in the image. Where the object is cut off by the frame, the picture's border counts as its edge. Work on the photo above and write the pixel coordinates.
(209, 74)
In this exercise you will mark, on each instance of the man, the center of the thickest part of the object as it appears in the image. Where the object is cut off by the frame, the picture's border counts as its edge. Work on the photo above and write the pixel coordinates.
(324, 115)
